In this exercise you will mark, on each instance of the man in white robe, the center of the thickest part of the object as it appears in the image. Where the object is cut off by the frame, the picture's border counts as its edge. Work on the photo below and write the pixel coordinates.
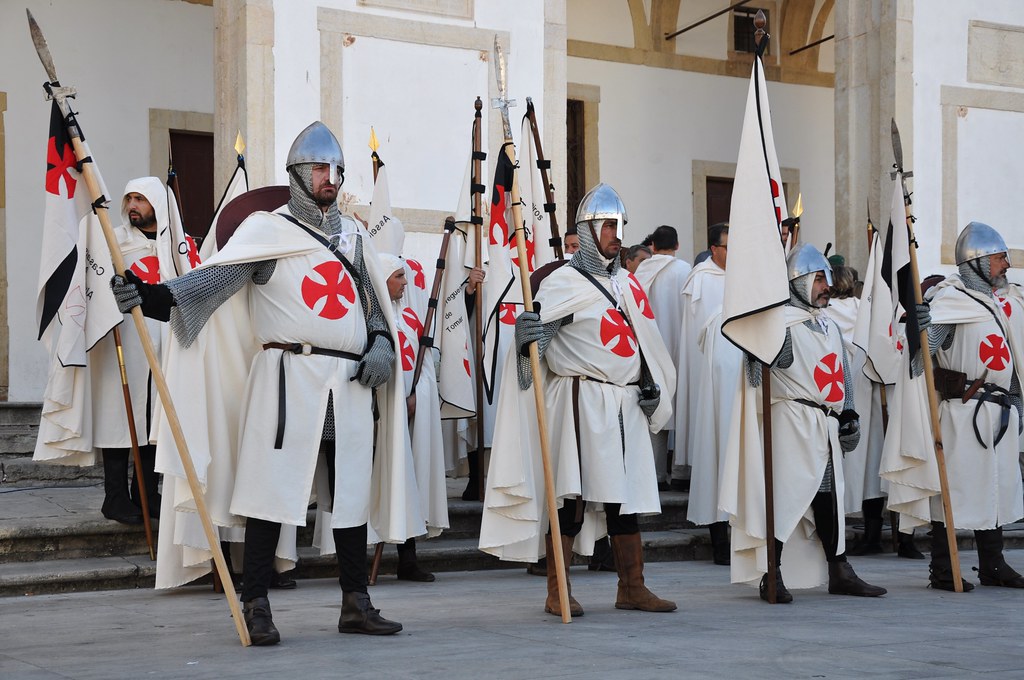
(971, 335)
(813, 423)
(708, 364)
(318, 303)
(662, 276)
(608, 382)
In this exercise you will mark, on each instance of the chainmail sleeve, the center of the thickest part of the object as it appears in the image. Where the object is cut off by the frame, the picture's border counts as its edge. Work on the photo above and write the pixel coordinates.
(848, 402)
(940, 336)
(375, 319)
(523, 369)
(199, 293)
(1015, 399)
(785, 360)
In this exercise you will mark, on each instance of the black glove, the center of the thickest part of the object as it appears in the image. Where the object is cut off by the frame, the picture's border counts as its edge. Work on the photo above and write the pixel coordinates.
(528, 329)
(650, 397)
(374, 368)
(924, 316)
(130, 291)
(849, 430)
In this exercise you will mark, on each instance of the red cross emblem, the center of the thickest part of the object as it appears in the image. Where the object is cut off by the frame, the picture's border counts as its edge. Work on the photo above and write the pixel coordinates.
(828, 376)
(465, 360)
(899, 344)
(58, 166)
(418, 278)
(507, 314)
(640, 296)
(616, 335)
(191, 251)
(148, 269)
(408, 352)
(775, 199)
(993, 352)
(412, 321)
(530, 249)
(1007, 307)
(499, 227)
(334, 288)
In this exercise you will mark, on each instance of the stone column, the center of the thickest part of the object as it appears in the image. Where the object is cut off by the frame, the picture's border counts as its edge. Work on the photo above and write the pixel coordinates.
(874, 60)
(243, 57)
(555, 93)
(5, 331)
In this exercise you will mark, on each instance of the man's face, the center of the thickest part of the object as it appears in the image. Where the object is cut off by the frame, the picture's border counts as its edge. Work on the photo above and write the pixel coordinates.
(572, 243)
(324, 193)
(820, 291)
(608, 241)
(140, 212)
(785, 234)
(998, 265)
(396, 284)
(719, 252)
(632, 263)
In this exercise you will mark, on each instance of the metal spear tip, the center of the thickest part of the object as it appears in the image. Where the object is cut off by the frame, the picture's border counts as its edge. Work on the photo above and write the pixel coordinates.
(897, 146)
(760, 20)
(373, 143)
(478, 104)
(798, 209)
(41, 48)
(239, 143)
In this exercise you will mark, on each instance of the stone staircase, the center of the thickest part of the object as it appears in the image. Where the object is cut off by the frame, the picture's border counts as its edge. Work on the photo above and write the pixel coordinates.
(19, 424)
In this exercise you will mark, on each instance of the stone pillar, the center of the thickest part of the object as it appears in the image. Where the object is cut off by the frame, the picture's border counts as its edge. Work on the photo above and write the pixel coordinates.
(555, 94)
(243, 58)
(5, 331)
(874, 60)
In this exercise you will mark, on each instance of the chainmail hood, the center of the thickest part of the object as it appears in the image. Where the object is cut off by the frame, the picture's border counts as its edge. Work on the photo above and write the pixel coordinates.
(977, 275)
(302, 205)
(800, 291)
(588, 258)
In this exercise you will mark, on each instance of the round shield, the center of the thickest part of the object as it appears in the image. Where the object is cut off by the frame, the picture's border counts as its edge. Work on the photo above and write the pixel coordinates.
(234, 213)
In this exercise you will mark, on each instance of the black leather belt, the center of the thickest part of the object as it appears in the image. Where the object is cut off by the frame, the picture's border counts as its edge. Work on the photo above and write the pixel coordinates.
(992, 394)
(306, 350)
(827, 410)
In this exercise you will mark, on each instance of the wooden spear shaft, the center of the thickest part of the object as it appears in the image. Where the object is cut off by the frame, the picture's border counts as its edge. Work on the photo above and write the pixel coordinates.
(549, 194)
(933, 405)
(538, 392)
(478, 300)
(769, 482)
(140, 477)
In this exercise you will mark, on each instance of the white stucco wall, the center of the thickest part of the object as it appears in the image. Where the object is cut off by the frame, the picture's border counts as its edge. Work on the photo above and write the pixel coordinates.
(653, 123)
(125, 57)
(990, 142)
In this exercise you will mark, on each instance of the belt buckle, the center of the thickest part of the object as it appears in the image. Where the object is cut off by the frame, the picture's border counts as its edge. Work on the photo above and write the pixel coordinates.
(307, 349)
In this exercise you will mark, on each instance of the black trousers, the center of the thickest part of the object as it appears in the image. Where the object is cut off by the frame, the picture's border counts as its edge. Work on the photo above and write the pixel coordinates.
(570, 519)
(261, 539)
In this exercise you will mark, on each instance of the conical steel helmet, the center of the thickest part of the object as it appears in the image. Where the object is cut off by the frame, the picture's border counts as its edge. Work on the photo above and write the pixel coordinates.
(602, 203)
(806, 259)
(316, 144)
(978, 240)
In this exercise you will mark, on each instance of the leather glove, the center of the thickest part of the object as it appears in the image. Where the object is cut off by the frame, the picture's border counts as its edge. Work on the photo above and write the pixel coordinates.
(650, 397)
(849, 435)
(924, 316)
(374, 369)
(528, 329)
(130, 291)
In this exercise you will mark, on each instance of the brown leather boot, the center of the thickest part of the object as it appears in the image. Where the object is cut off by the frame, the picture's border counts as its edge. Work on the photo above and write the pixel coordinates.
(629, 561)
(843, 580)
(551, 605)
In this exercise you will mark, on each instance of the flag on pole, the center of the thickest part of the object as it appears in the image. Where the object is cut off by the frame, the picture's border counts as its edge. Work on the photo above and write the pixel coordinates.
(455, 384)
(385, 229)
(876, 331)
(895, 268)
(532, 196)
(501, 295)
(756, 284)
(176, 250)
(237, 185)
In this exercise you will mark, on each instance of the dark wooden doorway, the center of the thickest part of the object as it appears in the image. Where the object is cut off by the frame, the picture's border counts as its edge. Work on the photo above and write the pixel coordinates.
(719, 196)
(575, 159)
(193, 162)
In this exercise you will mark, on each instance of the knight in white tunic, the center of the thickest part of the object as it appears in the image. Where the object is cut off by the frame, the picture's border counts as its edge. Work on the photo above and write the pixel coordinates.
(708, 365)
(663, 276)
(608, 382)
(971, 336)
(813, 423)
(317, 301)
(144, 212)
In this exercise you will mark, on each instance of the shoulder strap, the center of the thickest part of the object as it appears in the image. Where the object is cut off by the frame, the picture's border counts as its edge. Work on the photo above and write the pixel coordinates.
(604, 291)
(326, 244)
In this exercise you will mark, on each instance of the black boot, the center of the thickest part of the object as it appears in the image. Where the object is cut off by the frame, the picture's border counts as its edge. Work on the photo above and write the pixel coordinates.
(871, 542)
(992, 568)
(408, 566)
(721, 551)
(472, 492)
(260, 622)
(843, 580)
(148, 456)
(116, 503)
(940, 569)
(603, 558)
(283, 581)
(359, 616)
(782, 594)
(906, 548)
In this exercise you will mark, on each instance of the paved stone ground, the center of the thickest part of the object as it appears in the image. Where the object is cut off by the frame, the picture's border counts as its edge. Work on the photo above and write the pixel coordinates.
(491, 624)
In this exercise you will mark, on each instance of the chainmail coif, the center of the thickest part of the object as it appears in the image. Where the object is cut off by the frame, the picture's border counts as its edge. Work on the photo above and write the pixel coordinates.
(302, 206)
(589, 259)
